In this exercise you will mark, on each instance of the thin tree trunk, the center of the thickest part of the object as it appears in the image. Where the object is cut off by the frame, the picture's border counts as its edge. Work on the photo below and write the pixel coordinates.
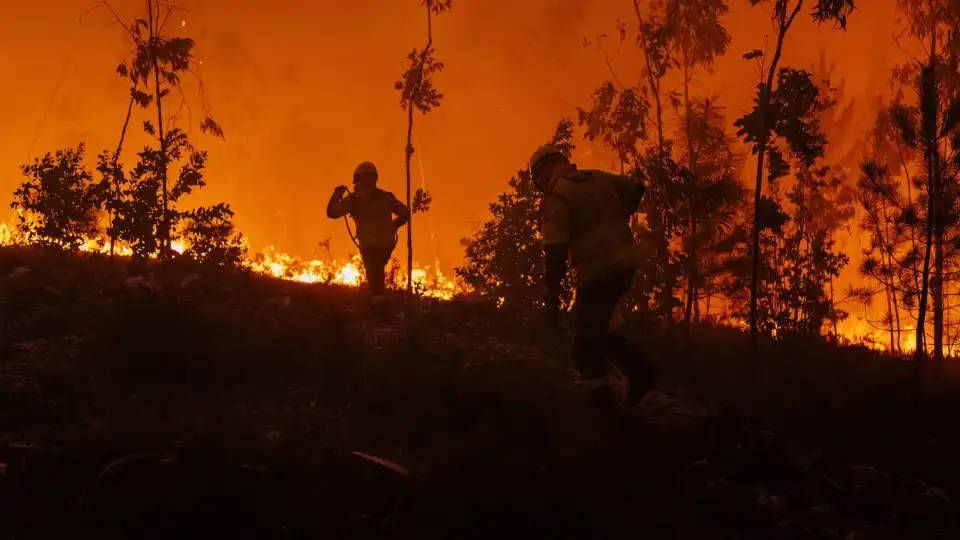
(116, 173)
(937, 289)
(764, 105)
(409, 153)
(836, 331)
(663, 254)
(887, 289)
(913, 230)
(892, 286)
(939, 279)
(652, 79)
(833, 305)
(886, 258)
(930, 144)
(692, 269)
(410, 150)
(165, 219)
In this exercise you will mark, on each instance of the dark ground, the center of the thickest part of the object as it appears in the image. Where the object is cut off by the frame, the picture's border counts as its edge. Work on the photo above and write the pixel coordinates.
(203, 404)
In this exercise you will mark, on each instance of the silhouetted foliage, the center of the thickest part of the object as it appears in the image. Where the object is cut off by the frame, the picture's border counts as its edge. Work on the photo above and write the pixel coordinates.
(421, 201)
(139, 213)
(711, 202)
(618, 118)
(416, 88)
(694, 29)
(757, 126)
(58, 203)
(164, 60)
(790, 123)
(504, 258)
(211, 236)
(790, 288)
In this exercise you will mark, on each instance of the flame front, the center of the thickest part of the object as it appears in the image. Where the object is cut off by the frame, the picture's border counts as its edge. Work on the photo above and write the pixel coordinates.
(430, 281)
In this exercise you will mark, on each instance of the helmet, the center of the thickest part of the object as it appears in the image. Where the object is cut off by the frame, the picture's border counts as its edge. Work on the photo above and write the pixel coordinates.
(542, 155)
(365, 169)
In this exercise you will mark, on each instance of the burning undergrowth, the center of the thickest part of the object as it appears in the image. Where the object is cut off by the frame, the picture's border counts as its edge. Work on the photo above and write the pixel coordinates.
(147, 400)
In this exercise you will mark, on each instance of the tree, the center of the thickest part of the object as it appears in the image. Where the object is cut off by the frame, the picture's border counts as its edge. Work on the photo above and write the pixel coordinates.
(927, 124)
(651, 38)
(504, 258)
(58, 204)
(418, 93)
(763, 119)
(671, 34)
(211, 236)
(710, 199)
(696, 35)
(161, 60)
(881, 202)
(619, 119)
(146, 208)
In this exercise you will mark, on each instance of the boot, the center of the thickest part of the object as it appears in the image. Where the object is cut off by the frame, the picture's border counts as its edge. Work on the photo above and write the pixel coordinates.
(634, 364)
(641, 381)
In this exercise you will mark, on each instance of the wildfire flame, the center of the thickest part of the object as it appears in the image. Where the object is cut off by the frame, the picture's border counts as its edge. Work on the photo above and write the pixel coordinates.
(429, 281)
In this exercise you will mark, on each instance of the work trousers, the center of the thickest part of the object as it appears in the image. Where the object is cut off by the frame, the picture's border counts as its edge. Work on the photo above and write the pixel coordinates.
(375, 261)
(595, 345)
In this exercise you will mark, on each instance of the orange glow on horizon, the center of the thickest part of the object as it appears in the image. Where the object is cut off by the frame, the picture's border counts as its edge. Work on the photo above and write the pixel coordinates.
(304, 91)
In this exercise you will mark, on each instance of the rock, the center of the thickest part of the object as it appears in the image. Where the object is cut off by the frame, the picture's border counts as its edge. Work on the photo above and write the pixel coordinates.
(143, 282)
(188, 280)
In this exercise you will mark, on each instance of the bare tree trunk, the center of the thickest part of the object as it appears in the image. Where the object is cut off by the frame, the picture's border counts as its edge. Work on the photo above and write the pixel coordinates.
(410, 149)
(164, 231)
(409, 154)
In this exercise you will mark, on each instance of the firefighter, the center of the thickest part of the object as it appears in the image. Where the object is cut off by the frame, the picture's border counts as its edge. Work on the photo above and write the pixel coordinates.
(586, 218)
(378, 215)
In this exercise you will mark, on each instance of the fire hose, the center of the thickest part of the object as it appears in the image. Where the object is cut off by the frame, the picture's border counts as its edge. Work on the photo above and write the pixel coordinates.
(353, 237)
(346, 221)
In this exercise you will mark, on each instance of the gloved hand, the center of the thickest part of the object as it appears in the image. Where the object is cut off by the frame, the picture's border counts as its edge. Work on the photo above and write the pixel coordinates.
(340, 190)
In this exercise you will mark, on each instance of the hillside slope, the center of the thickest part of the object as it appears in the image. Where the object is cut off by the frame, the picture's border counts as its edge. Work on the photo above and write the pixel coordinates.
(158, 401)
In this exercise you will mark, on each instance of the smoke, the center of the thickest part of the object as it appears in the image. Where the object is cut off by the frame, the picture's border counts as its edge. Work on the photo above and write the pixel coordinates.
(305, 91)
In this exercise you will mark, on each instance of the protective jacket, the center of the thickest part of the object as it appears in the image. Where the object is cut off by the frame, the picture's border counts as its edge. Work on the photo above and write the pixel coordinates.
(590, 211)
(374, 214)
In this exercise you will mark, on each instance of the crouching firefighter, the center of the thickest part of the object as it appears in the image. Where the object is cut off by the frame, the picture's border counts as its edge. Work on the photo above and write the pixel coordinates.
(378, 214)
(586, 218)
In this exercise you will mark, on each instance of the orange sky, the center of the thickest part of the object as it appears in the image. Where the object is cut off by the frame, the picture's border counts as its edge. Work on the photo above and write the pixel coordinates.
(304, 91)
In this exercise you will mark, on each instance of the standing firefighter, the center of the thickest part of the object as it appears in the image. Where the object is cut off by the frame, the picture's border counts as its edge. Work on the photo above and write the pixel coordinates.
(378, 214)
(586, 216)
